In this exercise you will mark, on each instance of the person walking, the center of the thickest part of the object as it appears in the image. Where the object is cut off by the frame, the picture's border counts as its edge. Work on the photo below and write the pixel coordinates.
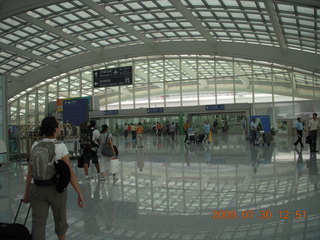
(313, 132)
(215, 126)
(91, 153)
(140, 132)
(159, 129)
(186, 127)
(172, 130)
(299, 129)
(134, 132)
(206, 131)
(125, 131)
(105, 135)
(43, 196)
(253, 131)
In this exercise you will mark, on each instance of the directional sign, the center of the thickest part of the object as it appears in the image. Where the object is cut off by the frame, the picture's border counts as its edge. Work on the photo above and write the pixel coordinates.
(155, 110)
(214, 107)
(112, 77)
(111, 112)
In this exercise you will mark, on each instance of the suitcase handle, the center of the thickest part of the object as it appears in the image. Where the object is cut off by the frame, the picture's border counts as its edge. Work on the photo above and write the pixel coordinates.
(25, 220)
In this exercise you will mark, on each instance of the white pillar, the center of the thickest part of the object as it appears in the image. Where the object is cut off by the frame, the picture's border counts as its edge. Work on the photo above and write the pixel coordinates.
(3, 117)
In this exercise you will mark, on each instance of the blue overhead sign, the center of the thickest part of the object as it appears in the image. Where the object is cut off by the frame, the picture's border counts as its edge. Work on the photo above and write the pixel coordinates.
(75, 111)
(214, 107)
(111, 112)
(155, 110)
(112, 77)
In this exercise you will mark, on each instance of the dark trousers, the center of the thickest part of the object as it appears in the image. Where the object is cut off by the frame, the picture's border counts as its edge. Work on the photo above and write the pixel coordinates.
(253, 137)
(172, 135)
(299, 140)
(313, 144)
(186, 136)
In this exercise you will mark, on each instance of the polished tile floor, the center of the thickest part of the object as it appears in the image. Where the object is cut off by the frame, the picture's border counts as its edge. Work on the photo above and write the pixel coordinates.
(171, 190)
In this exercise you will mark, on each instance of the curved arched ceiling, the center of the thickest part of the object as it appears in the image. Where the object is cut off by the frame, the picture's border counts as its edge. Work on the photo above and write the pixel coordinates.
(42, 39)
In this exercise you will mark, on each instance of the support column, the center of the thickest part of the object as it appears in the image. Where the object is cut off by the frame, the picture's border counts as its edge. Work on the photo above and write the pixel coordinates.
(3, 117)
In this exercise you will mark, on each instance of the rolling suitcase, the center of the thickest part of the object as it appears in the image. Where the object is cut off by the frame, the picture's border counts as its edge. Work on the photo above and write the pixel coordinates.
(15, 231)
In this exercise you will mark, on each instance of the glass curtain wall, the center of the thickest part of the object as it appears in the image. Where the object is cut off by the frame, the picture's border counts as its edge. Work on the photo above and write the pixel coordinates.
(175, 81)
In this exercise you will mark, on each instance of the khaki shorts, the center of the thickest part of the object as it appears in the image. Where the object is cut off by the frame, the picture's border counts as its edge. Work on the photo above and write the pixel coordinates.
(41, 198)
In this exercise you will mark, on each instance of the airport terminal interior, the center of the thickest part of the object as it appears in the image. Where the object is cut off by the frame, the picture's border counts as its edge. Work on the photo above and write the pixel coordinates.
(163, 62)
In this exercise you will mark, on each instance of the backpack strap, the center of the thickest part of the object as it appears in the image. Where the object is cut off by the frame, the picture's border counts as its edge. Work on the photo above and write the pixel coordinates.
(51, 181)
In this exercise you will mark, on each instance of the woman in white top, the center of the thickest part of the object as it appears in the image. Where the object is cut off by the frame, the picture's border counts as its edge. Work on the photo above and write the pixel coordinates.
(103, 159)
(41, 197)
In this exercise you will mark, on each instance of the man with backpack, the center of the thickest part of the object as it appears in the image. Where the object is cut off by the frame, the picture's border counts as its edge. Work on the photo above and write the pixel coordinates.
(89, 142)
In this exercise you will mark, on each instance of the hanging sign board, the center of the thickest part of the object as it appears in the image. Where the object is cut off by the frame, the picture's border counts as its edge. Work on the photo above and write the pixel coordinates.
(155, 110)
(112, 77)
(75, 111)
(214, 107)
(111, 112)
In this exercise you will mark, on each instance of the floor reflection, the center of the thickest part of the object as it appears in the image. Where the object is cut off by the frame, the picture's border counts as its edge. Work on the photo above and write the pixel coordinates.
(169, 190)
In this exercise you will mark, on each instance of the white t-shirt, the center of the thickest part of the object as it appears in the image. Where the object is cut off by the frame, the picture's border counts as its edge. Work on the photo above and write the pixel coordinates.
(95, 136)
(313, 124)
(172, 128)
(61, 149)
(253, 126)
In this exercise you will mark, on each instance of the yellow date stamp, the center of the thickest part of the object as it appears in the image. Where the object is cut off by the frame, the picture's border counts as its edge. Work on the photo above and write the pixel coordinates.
(259, 214)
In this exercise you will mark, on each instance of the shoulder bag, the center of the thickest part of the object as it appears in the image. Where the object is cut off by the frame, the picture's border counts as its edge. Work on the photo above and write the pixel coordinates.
(106, 148)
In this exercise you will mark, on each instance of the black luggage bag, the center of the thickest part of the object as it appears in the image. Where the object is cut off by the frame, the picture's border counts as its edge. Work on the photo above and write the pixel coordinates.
(200, 138)
(15, 231)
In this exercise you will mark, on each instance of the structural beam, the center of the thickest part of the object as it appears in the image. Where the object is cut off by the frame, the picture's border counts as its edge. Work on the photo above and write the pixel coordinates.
(309, 3)
(58, 32)
(27, 54)
(275, 24)
(9, 8)
(116, 20)
(293, 58)
(194, 21)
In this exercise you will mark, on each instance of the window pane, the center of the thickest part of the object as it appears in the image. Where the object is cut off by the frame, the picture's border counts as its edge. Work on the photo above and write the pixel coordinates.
(243, 82)
(262, 79)
(141, 95)
(206, 82)
(22, 111)
(156, 95)
(282, 85)
(126, 97)
(173, 94)
(112, 98)
(75, 81)
(13, 113)
(224, 82)
(189, 93)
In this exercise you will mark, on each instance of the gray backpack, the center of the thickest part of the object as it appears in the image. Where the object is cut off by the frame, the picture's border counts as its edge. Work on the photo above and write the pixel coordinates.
(43, 159)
